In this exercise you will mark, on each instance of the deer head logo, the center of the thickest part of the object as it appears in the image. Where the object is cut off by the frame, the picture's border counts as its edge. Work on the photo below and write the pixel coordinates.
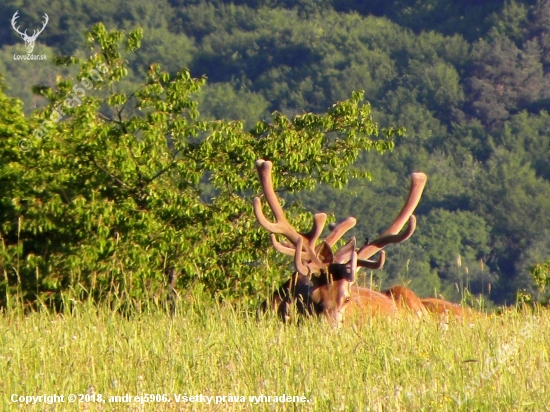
(29, 40)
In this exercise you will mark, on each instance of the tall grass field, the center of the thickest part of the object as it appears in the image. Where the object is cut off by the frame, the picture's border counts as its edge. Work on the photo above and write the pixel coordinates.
(216, 357)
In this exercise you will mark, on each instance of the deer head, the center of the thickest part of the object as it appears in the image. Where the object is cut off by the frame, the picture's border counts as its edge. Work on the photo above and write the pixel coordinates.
(29, 40)
(322, 281)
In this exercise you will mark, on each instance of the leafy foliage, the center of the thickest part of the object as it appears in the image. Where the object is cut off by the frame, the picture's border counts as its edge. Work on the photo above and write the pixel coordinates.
(541, 274)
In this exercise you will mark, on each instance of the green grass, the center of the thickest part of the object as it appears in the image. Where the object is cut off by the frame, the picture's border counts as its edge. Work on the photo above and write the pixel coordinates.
(216, 350)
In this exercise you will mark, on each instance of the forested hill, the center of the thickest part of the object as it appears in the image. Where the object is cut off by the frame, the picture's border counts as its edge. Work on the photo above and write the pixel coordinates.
(469, 80)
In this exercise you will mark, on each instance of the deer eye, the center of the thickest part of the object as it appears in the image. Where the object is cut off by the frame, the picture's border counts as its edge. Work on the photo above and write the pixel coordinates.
(347, 299)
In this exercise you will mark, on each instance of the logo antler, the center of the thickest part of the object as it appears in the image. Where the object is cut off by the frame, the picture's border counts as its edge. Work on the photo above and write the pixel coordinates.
(29, 40)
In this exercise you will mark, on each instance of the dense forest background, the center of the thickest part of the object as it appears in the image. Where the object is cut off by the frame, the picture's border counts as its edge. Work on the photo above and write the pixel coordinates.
(469, 80)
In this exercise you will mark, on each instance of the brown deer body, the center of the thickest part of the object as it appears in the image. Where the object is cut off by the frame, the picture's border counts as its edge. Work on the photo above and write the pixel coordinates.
(367, 302)
(322, 282)
(444, 308)
(406, 299)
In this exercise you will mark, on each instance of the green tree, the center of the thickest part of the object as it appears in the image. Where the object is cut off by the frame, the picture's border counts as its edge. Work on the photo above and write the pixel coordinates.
(505, 79)
(514, 203)
(221, 101)
(541, 275)
(528, 137)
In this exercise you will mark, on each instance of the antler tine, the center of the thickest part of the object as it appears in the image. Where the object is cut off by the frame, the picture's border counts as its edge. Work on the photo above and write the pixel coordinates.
(353, 261)
(281, 225)
(319, 220)
(371, 248)
(373, 264)
(300, 267)
(339, 230)
(282, 247)
(418, 181)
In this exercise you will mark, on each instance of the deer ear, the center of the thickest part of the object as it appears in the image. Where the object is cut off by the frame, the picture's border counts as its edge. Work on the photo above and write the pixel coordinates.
(344, 254)
(324, 253)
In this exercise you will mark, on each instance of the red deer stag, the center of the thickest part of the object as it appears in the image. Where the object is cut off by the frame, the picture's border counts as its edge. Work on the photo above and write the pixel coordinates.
(322, 282)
